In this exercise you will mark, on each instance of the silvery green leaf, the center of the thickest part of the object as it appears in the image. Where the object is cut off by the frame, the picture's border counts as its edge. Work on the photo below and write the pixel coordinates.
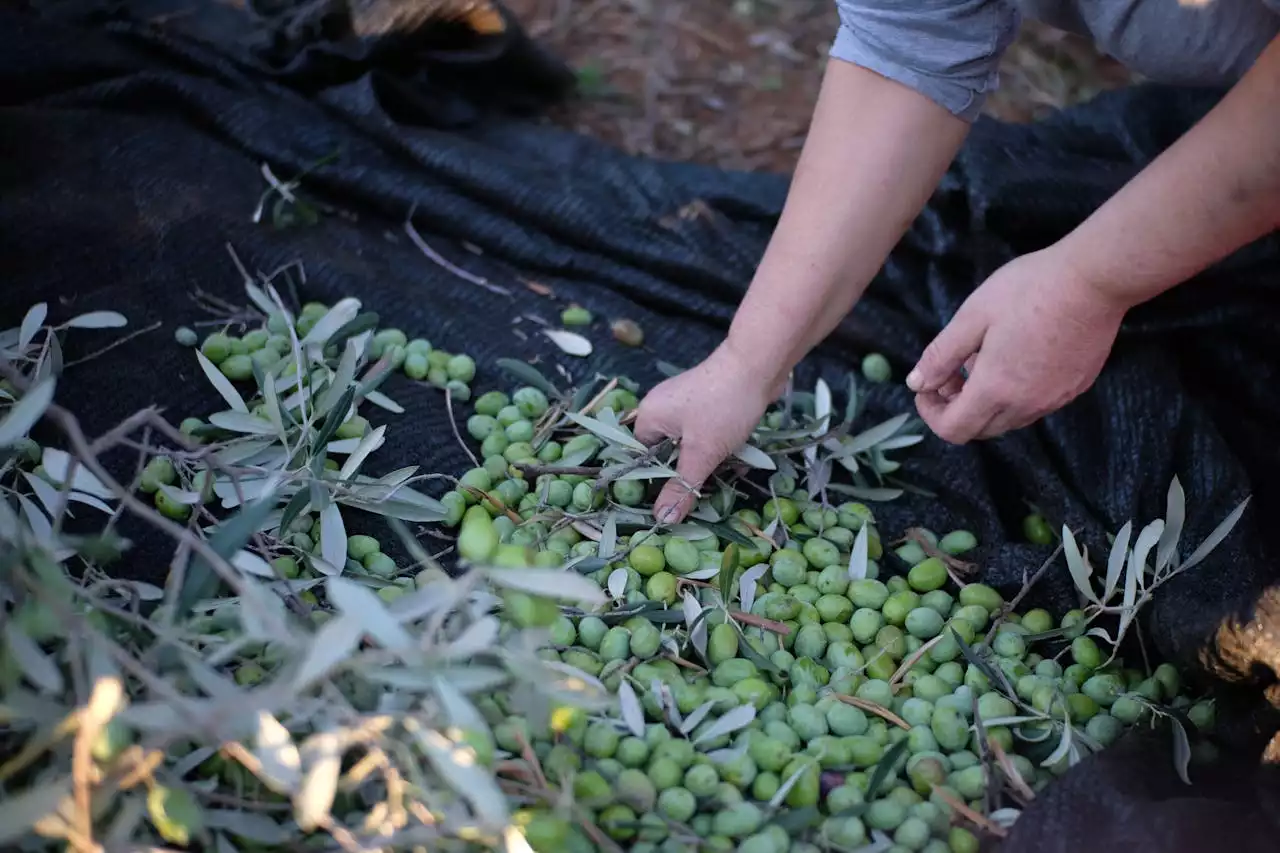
(1215, 538)
(31, 323)
(699, 714)
(37, 521)
(992, 722)
(57, 464)
(143, 591)
(221, 384)
(651, 472)
(329, 646)
(1117, 558)
(478, 637)
(1146, 540)
(341, 381)
(1102, 633)
(899, 442)
(570, 343)
(607, 432)
(370, 442)
(632, 712)
(382, 401)
(242, 423)
(608, 537)
(97, 320)
(747, 585)
(1181, 750)
(692, 532)
(24, 414)
(1063, 748)
(785, 788)
(393, 508)
(314, 797)
(343, 312)
(49, 497)
(1006, 817)
(457, 768)
(89, 500)
(702, 574)
(728, 723)
(241, 449)
(756, 458)
(858, 555)
(549, 583)
(274, 748)
(259, 298)
(1077, 565)
(729, 754)
(21, 809)
(821, 407)
(333, 536)
(38, 667)
(697, 626)
(250, 826)
(864, 441)
(1174, 517)
(617, 583)
(180, 496)
(458, 710)
(864, 493)
(250, 563)
(362, 603)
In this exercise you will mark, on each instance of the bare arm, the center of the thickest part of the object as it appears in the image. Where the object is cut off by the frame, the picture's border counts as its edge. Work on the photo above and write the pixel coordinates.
(1213, 191)
(875, 152)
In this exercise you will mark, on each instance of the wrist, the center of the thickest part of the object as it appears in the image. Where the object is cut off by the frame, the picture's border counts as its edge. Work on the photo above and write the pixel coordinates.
(1085, 268)
(758, 366)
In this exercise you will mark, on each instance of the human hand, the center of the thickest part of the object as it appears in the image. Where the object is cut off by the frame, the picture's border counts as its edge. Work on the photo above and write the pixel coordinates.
(1032, 337)
(711, 410)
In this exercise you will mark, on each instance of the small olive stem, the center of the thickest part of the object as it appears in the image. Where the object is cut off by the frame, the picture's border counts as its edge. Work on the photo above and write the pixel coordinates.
(1012, 606)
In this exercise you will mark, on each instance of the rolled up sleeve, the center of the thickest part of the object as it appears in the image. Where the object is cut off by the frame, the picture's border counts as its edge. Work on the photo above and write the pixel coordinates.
(947, 50)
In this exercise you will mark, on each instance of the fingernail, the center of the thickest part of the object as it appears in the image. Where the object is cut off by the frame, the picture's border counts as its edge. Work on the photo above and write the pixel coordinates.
(914, 380)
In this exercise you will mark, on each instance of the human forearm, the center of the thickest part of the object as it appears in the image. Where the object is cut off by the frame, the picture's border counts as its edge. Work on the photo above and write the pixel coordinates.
(1213, 191)
(875, 152)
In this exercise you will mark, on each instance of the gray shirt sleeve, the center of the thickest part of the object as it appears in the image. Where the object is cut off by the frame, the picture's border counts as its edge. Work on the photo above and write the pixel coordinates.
(947, 50)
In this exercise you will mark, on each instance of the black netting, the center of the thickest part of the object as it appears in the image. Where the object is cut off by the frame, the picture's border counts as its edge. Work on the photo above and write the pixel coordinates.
(132, 155)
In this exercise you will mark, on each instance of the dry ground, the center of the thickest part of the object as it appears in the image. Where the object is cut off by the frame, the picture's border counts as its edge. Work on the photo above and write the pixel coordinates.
(732, 82)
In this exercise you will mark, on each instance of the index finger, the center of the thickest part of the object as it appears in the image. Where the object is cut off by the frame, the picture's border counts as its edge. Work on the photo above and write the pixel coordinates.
(961, 418)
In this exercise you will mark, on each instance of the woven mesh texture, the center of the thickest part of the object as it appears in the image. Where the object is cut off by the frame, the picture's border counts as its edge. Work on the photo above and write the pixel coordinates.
(132, 154)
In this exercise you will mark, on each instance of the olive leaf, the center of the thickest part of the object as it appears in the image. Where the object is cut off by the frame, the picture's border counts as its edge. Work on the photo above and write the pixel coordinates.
(38, 667)
(858, 555)
(549, 583)
(97, 320)
(755, 457)
(696, 716)
(729, 563)
(32, 321)
(632, 712)
(886, 765)
(728, 723)
(608, 537)
(747, 585)
(570, 343)
(696, 625)
(606, 432)
(785, 788)
(24, 414)
(462, 774)
(870, 438)
(1116, 560)
(221, 384)
(1077, 565)
(280, 761)
(1214, 539)
(229, 536)
(1174, 517)
(1181, 749)
(527, 374)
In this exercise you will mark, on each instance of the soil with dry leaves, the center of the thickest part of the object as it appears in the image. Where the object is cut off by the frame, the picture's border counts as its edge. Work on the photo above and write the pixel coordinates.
(732, 82)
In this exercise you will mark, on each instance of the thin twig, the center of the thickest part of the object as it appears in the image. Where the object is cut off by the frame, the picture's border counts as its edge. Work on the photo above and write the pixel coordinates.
(446, 264)
(1011, 607)
(980, 821)
(119, 342)
(878, 710)
(448, 404)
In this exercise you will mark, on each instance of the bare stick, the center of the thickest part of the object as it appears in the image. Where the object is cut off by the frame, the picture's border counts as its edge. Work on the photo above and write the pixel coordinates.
(91, 356)
(448, 403)
(444, 263)
(1026, 588)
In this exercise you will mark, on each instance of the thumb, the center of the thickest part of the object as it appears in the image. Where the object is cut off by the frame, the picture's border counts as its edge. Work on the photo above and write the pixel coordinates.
(679, 496)
(948, 352)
